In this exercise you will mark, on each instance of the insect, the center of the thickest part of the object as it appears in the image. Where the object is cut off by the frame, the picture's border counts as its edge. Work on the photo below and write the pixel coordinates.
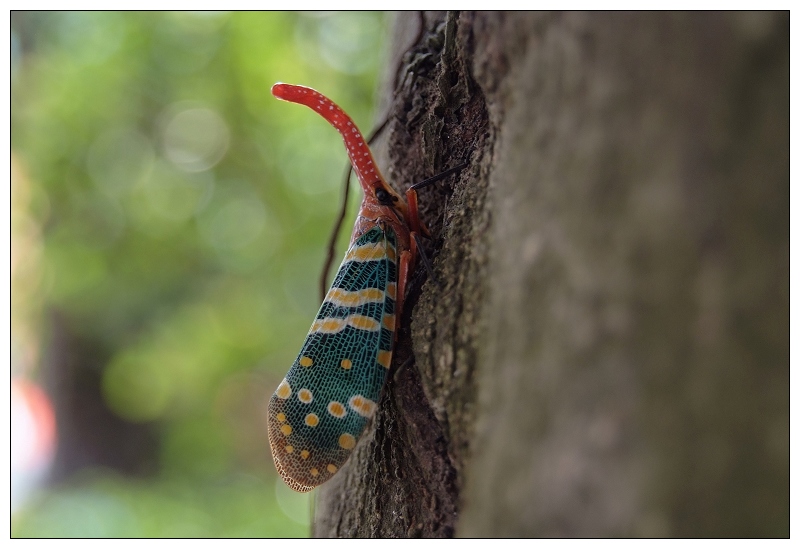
(322, 406)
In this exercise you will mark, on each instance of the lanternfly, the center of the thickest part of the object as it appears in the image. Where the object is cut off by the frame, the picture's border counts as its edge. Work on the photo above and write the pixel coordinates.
(322, 406)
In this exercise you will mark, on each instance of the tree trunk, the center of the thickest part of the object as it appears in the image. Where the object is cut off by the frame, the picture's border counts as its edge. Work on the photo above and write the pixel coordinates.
(604, 350)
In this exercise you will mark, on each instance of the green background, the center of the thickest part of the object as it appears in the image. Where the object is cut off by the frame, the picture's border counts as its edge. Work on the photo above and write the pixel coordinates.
(170, 212)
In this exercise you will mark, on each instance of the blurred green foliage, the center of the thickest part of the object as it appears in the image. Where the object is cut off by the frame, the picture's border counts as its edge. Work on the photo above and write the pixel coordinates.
(179, 215)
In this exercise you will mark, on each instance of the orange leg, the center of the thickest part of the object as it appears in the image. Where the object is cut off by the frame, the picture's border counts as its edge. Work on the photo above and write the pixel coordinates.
(407, 260)
(414, 222)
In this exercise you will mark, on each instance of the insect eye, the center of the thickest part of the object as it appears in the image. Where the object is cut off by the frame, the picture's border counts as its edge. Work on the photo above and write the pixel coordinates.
(384, 197)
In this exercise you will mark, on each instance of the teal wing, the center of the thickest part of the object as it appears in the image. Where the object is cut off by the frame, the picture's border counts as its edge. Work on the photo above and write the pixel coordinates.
(322, 406)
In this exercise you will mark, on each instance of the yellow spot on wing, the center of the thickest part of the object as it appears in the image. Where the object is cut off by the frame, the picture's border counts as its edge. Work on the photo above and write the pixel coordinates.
(367, 252)
(385, 358)
(347, 364)
(305, 396)
(281, 417)
(388, 322)
(304, 454)
(332, 468)
(314, 472)
(306, 361)
(334, 325)
(363, 322)
(391, 289)
(312, 420)
(328, 325)
(339, 296)
(347, 441)
(336, 409)
(371, 294)
(362, 405)
(286, 429)
(344, 298)
(289, 448)
(283, 391)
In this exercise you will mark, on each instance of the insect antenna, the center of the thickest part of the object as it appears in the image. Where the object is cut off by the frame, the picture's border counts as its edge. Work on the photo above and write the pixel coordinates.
(438, 177)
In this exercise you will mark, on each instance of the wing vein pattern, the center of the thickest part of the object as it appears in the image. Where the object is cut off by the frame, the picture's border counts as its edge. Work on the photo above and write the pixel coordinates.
(324, 403)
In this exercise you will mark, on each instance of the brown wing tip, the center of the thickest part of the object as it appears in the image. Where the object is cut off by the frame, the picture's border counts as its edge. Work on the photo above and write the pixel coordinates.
(290, 482)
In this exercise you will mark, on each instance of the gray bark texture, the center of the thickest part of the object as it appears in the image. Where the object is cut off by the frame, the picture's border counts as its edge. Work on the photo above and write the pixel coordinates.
(604, 348)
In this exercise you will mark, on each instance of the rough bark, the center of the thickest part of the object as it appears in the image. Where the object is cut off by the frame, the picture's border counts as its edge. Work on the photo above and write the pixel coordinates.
(406, 477)
(605, 348)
